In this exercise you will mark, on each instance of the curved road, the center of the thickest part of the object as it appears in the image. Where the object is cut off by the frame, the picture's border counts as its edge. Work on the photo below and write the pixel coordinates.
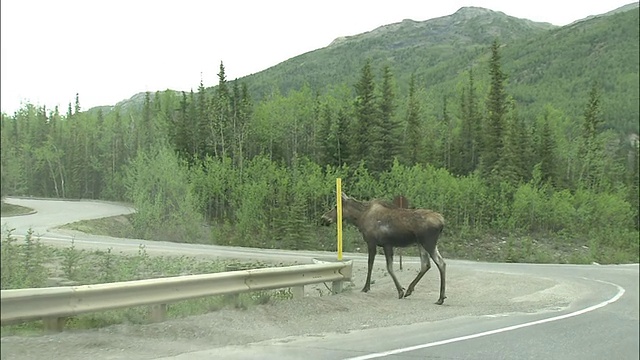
(602, 323)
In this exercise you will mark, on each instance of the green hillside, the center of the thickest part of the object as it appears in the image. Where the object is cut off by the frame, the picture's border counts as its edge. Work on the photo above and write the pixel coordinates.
(559, 66)
(545, 64)
(437, 50)
(527, 154)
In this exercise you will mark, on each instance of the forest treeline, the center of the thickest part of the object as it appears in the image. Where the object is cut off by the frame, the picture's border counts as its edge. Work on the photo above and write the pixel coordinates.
(213, 164)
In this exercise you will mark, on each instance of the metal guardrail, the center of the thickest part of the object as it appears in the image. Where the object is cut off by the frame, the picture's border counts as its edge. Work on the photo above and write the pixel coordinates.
(53, 305)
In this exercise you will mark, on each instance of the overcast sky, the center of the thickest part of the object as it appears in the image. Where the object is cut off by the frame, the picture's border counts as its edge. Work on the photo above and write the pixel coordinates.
(107, 51)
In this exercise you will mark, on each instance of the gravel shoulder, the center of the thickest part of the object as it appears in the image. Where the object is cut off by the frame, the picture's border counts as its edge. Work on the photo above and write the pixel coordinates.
(469, 293)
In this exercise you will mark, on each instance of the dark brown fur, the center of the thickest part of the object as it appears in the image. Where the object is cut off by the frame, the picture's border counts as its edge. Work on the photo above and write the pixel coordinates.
(388, 226)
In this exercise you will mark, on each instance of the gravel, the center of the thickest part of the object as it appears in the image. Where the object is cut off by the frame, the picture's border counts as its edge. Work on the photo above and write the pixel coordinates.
(469, 293)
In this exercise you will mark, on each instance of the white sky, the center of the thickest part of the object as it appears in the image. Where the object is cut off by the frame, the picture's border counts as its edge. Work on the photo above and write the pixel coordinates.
(107, 51)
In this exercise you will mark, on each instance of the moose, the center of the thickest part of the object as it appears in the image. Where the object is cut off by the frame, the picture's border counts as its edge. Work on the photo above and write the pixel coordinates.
(387, 226)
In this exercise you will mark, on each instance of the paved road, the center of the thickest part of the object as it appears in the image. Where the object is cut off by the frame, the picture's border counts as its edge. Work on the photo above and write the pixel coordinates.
(52, 213)
(602, 324)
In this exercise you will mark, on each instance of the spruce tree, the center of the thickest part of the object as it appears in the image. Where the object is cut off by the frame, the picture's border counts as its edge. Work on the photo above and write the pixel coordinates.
(496, 105)
(335, 137)
(193, 135)
(365, 116)
(546, 152)
(242, 118)
(325, 137)
(77, 105)
(512, 165)
(181, 130)
(144, 131)
(468, 142)
(203, 133)
(413, 131)
(387, 136)
(447, 136)
(223, 106)
(591, 150)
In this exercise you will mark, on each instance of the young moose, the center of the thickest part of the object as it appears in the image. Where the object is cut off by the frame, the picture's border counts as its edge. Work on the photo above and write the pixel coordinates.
(389, 226)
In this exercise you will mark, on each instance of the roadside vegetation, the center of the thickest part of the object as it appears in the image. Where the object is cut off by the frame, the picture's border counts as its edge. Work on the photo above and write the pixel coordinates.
(540, 165)
(213, 167)
(556, 183)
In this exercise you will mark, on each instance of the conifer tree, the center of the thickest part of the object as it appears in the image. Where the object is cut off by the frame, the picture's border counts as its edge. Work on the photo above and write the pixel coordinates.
(513, 166)
(325, 137)
(179, 130)
(334, 137)
(144, 132)
(447, 136)
(387, 142)
(77, 105)
(546, 152)
(496, 105)
(117, 153)
(224, 125)
(192, 124)
(365, 116)
(468, 142)
(203, 127)
(241, 112)
(413, 132)
(591, 149)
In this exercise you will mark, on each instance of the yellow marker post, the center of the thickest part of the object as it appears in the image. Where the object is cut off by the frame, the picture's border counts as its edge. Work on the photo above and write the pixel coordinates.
(339, 215)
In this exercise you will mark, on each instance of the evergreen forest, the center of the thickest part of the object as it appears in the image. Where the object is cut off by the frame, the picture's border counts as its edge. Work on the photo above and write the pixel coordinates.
(242, 164)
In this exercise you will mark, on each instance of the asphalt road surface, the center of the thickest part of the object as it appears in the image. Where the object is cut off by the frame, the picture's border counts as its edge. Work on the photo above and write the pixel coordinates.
(600, 322)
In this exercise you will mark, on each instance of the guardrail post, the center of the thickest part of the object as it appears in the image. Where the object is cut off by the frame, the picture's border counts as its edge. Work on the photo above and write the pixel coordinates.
(336, 287)
(297, 292)
(158, 312)
(53, 324)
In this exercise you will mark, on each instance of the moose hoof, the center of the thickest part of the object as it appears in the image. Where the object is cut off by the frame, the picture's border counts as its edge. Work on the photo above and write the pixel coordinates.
(400, 294)
(366, 289)
(440, 301)
(409, 292)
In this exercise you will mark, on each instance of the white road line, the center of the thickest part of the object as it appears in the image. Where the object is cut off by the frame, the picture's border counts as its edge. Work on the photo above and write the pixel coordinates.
(496, 331)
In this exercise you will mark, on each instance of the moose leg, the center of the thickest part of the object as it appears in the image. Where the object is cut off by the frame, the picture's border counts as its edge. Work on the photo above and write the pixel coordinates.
(442, 267)
(372, 256)
(388, 254)
(425, 265)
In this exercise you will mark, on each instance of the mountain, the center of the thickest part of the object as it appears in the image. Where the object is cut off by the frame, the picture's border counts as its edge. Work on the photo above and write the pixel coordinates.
(545, 64)
(435, 50)
(621, 9)
(559, 67)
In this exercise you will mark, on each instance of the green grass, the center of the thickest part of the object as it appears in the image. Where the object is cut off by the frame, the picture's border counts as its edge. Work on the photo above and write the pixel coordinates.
(13, 210)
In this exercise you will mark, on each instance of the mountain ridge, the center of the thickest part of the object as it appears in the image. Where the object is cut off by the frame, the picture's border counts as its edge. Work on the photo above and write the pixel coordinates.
(439, 50)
